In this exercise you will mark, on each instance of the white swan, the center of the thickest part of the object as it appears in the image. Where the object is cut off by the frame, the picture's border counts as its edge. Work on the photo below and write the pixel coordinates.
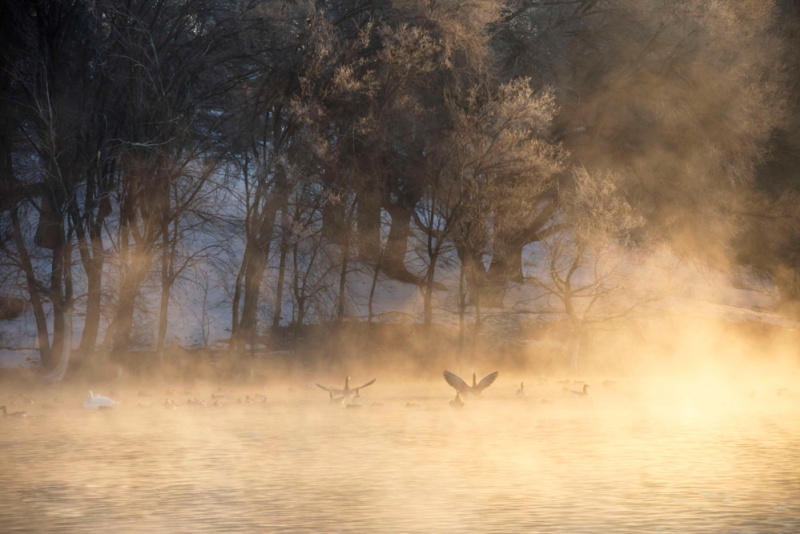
(98, 401)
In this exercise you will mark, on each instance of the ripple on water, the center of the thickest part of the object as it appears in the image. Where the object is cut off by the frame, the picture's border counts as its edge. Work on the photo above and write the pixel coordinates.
(496, 466)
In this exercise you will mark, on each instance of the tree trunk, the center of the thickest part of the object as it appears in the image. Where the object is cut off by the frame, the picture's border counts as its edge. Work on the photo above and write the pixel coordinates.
(298, 291)
(253, 276)
(168, 253)
(60, 370)
(163, 313)
(506, 264)
(428, 294)
(373, 285)
(45, 351)
(430, 274)
(135, 271)
(237, 298)
(333, 214)
(128, 291)
(60, 297)
(396, 245)
(575, 345)
(57, 265)
(62, 310)
(369, 223)
(505, 267)
(474, 274)
(94, 284)
(345, 248)
(92, 256)
(462, 305)
(255, 257)
(284, 251)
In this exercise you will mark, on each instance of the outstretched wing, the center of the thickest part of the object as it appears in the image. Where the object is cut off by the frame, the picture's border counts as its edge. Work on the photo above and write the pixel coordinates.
(331, 390)
(456, 382)
(367, 384)
(486, 381)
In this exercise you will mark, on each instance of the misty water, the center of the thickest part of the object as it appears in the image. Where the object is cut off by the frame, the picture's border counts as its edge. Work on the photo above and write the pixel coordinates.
(403, 461)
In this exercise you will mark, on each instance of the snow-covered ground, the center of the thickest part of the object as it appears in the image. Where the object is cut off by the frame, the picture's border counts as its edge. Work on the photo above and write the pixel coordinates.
(18, 358)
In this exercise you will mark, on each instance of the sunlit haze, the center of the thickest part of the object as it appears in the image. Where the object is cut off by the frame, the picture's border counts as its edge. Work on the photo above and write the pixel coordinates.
(399, 266)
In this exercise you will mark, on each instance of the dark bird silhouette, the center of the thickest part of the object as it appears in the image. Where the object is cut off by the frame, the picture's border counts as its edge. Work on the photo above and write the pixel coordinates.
(465, 389)
(347, 392)
(584, 393)
(13, 414)
(457, 402)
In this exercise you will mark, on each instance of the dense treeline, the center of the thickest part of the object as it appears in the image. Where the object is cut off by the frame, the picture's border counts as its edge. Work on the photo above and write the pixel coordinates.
(283, 144)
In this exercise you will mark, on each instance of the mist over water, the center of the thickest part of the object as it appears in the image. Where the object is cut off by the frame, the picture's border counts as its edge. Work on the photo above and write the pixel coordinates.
(209, 208)
(691, 424)
(712, 451)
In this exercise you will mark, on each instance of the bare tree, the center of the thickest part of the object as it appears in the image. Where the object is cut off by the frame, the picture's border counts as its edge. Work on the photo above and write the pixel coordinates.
(173, 79)
(509, 172)
(585, 268)
(49, 147)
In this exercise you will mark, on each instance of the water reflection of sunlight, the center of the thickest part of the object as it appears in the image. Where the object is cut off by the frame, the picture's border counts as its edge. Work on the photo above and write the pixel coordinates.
(678, 443)
(668, 455)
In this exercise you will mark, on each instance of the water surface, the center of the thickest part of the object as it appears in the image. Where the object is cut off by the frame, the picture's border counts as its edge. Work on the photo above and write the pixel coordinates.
(401, 463)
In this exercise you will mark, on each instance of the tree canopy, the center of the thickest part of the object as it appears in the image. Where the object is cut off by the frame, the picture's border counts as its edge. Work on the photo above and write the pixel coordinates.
(150, 146)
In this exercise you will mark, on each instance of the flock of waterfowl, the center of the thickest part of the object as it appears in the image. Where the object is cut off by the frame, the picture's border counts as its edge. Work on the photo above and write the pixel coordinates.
(347, 396)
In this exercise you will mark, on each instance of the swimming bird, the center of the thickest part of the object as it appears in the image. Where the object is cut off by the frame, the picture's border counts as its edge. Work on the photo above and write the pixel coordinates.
(347, 392)
(98, 401)
(476, 388)
(584, 393)
(457, 402)
(521, 390)
(13, 414)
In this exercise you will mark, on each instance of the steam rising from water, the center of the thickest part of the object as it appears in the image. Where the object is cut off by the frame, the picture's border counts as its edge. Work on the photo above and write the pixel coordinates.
(707, 439)
(691, 423)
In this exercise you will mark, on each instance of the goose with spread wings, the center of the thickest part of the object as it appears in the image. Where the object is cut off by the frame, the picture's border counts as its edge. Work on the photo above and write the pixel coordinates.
(465, 389)
(347, 392)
